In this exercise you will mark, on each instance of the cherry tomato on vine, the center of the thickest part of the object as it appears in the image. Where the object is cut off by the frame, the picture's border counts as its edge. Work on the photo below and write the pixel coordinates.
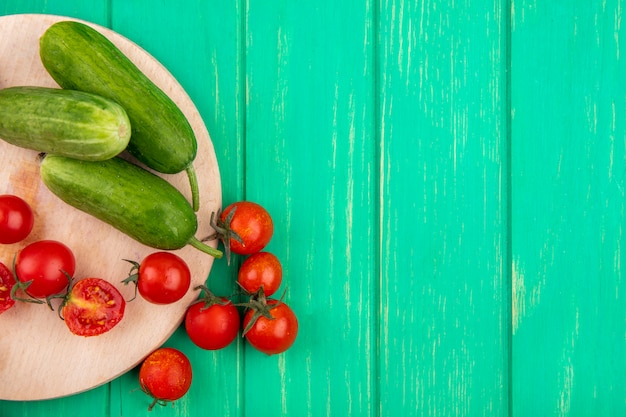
(271, 335)
(93, 306)
(244, 227)
(261, 269)
(213, 323)
(46, 264)
(16, 219)
(7, 281)
(165, 375)
(161, 278)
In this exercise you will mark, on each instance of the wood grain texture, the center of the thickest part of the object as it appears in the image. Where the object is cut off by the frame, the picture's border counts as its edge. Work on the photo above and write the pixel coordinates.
(444, 289)
(568, 172)
(309, 159)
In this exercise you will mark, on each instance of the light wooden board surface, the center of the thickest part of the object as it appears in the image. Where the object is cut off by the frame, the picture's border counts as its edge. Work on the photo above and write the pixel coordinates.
(40, 343)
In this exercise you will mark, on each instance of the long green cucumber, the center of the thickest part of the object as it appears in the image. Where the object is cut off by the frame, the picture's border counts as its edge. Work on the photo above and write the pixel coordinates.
(63, 122)
(79, 57)
(135, 201)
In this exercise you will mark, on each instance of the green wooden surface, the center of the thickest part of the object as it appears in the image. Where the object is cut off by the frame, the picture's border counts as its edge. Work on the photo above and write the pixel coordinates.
(568, 213)
(448, 185)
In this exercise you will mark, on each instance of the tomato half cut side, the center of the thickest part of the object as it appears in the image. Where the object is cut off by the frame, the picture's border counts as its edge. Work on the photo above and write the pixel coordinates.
(7, 281)
(93, 307)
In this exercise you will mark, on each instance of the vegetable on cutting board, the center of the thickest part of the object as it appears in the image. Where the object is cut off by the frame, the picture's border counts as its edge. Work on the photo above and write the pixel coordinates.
(42, 269)
(64, 122)
(16, 219)
(92, 306)
(137, 202)
(79, 57)
(7, 281)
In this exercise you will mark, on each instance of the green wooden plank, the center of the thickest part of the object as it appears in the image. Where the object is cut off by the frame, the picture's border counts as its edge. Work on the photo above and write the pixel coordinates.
(96, 11)
(444, 324)
(93, 403)
(568, 207)
(310, 160)
(199, 43)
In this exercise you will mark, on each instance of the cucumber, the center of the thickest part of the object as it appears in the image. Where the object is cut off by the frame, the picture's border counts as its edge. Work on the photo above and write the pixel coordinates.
(63, 122)
(135, 201)
(79, 57)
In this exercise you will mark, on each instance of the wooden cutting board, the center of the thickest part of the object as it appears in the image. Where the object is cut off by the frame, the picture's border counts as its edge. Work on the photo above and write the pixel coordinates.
(39, 357)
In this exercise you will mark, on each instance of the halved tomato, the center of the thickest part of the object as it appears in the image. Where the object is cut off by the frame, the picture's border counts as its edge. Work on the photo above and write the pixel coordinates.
(7, 281)
(93, 306)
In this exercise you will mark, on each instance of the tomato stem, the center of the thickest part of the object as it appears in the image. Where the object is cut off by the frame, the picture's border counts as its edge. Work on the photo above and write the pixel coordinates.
(223, 231)
(208, 298)
(133, 276)
(20, 285)
(153, 403)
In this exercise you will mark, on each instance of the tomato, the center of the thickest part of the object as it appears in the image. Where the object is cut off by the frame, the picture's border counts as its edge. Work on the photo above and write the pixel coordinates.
(7, 281)
(161, 278)
(212, 324)
(244, 227)
(16, 219)
(165, 375)
(93, 306)
(45, 264)
(271, 335)
(260, 270)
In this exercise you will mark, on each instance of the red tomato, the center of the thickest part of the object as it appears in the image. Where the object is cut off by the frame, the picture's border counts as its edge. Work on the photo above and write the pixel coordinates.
(45, 263)
(261, 269)
(16, 219)
(212, 325)
(162, 277)
(92, 307)
(272, 336)
(7, 281)
(165, 375)
(244, 227)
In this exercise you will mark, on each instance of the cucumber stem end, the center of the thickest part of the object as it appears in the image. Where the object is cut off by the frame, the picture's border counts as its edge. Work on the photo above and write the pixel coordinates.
(216, 253)
(193, 182)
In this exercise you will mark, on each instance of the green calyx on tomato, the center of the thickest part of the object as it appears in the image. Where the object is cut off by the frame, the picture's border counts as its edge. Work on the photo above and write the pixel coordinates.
(161, 277)
(23, 286)
(43, 270)
(258, 306)
(270, 325)
(212, 322)
(207, 298)
(133, 276)
(244, 227)
(224, 232)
